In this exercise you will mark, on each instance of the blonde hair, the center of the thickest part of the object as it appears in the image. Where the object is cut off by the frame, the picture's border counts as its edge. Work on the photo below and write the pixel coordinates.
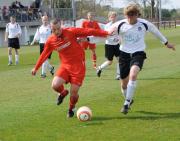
(112, 13)
(132, 8)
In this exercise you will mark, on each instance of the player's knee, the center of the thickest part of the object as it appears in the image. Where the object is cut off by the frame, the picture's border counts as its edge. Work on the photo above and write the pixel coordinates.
(110, 62)
(54, 86)
(133, 77)
(74, 92)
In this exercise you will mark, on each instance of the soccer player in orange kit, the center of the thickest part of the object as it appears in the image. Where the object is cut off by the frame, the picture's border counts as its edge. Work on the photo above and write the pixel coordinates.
(72, 56)
(90, 23)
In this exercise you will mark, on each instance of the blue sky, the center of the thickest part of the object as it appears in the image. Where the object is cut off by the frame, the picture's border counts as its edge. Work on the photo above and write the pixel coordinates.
(169, 4)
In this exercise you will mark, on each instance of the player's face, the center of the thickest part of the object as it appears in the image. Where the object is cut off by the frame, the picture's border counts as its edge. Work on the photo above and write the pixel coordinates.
(112, 18)
(12, 19)
(132, 17)
(90, 17)
(45, 21)
(56, 29)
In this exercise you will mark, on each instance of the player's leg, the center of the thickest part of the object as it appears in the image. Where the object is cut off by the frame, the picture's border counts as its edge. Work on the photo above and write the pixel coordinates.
(117, 70)
(49, 66)
(44, 67)
(76, 81)
(9, 56)
(16, 56)
(73, 99)
(116, 54)
(92, 47)
(16, 47)
(109, 55)
(57, 85)
(123, 84)
(136, 65)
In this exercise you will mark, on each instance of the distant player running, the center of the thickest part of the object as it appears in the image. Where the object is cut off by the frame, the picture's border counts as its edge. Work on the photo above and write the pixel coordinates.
(132, 31)
(72, 56)
(111, 47)
(41, 35)
(90, 23)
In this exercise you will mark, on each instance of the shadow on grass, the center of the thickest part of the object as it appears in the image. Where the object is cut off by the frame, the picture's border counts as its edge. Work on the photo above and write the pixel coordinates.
(145, 116)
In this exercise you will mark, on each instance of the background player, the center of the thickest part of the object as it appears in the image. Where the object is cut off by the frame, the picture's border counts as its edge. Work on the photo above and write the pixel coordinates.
(90, 23)
(12, 34)
(111, 47)
(41, 35)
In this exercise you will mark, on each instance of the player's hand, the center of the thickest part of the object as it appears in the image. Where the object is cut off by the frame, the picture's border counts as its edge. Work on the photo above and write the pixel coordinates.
(170, 46)
(33, 72)
(111, 31)
(5, 40)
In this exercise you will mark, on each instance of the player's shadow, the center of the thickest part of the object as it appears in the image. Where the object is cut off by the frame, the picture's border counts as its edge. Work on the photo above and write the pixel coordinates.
(145, 115)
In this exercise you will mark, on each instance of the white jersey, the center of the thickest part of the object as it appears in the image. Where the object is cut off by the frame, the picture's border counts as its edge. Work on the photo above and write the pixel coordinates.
(42, 33)
(111, 40)
(13, 29)
(132, 36)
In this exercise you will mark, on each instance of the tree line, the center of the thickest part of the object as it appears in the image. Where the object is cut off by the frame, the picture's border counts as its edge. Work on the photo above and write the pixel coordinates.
(149, 8)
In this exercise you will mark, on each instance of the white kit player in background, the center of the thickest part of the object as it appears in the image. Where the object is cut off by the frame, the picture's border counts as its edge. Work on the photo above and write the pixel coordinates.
(111, 47)
(132, 31)
(41, 35)
(12, 34)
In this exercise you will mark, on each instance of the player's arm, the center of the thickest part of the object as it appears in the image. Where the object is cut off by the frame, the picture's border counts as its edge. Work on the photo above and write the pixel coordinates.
(6, 33)
(44, 55)
(153, 29)
(19, 31)
(97, 26)
(80, 32)
(36, 37)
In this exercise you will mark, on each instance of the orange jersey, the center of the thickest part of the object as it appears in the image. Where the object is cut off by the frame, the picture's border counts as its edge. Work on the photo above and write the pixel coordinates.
(90, 24)
(70, 51)
(93, 25)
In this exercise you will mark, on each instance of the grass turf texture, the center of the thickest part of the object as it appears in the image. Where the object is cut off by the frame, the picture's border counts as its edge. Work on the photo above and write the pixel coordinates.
(28, 111)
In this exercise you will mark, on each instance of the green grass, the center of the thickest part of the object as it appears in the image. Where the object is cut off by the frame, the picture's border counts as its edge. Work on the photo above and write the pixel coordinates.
(28, 111)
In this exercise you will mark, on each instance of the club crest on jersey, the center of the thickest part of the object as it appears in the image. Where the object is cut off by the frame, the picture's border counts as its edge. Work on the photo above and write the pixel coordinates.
(139, 28)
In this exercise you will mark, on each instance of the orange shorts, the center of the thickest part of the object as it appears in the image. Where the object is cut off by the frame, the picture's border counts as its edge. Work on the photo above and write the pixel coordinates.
(72, 73)
(87, 45)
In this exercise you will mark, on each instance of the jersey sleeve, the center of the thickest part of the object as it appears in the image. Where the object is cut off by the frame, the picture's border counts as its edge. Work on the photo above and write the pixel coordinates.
(97, 25)
(36, 36)
(81, 32)
(7, 28)
(153, 29)
(44, 55)
(19, 29)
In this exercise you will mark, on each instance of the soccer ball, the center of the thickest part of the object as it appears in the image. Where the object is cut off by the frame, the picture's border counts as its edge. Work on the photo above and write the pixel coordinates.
(84, 113)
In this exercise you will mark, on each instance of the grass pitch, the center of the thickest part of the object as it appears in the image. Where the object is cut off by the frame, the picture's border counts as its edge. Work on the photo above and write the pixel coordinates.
(28, 111)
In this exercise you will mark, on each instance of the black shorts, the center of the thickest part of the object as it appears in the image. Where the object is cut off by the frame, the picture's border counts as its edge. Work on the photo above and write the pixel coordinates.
(126, 60)
(111, 51)
(42, 48)
(14, 43)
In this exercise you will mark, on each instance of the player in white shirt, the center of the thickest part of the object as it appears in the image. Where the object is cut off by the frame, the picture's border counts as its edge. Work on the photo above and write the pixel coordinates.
(12, 34)
(111, 47)
(132, 31)
(41, 35)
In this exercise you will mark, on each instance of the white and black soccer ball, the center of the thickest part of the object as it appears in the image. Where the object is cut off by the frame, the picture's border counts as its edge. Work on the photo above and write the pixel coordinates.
(84, 113)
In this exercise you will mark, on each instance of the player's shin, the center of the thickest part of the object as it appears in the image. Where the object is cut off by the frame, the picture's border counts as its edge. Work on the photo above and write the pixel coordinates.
(130, 92)
(73, 100)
